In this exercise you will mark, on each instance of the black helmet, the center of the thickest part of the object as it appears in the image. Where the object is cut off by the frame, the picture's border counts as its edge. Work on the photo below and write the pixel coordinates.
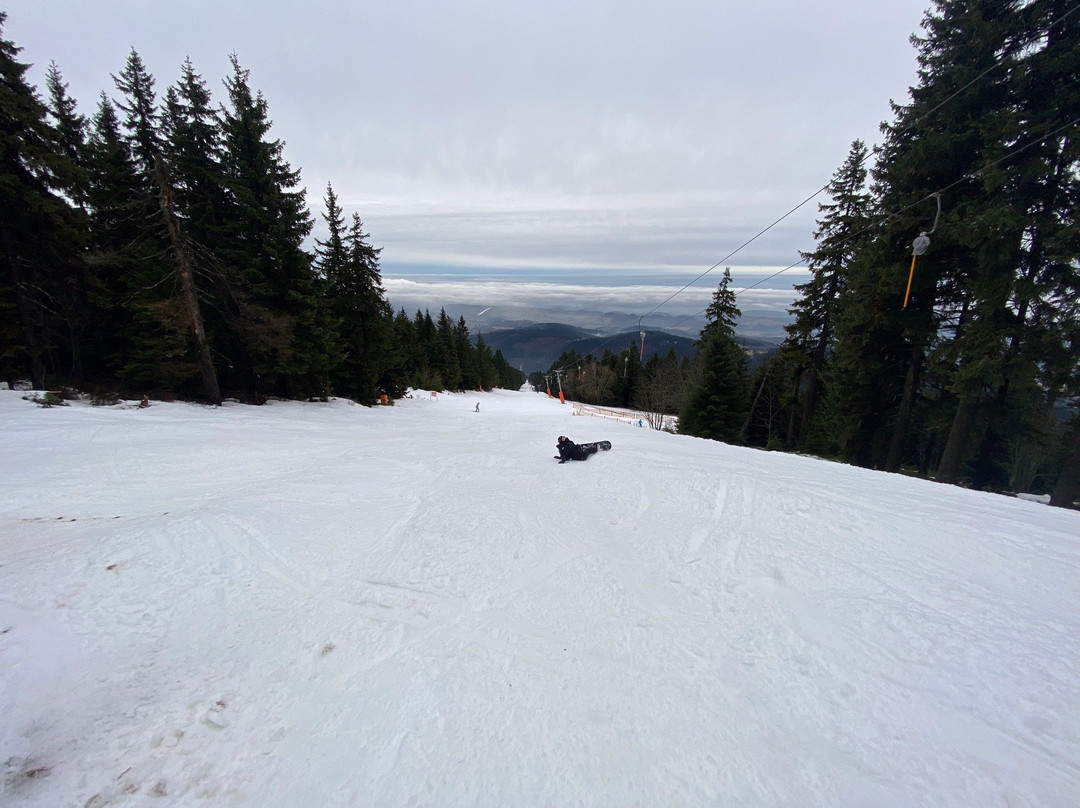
(563, 439)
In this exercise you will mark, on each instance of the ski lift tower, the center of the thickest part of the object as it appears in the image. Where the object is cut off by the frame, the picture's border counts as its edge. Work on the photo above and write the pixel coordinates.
(558, 378)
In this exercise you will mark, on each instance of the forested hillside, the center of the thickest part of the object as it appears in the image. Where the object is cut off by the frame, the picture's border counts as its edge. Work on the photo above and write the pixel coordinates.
(156, 246)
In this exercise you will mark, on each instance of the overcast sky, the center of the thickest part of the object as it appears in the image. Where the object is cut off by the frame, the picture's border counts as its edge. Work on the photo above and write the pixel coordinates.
(548, 133)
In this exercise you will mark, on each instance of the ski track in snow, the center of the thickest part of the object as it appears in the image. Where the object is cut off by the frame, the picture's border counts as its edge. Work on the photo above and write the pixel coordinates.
(331, 605)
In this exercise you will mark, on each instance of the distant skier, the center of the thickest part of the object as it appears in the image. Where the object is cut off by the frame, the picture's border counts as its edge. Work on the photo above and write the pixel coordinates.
(568, 450)
(477, 407)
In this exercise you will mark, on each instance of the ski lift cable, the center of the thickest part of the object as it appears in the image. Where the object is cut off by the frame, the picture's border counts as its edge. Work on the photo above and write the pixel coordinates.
(733, 252)
(896, 214)
(934, 195)
(737, 292)
(890, 217)
(997, 63)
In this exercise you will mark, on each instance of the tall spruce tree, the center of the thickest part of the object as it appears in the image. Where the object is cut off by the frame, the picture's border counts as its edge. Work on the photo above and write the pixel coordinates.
(405, 355)
(39, 232)
(1022, 267)
(371, 317)
(428, 348)
(716, 406)
(447, 357)
(938, 141)
(157, 356)
(114, 209)
(193, 151)
(142, 120)
(363, 319)
(169, 347)
(72, 130)
(1047, 296)
(71, 299)
(266, 221)
(348, 266)
(842, 230)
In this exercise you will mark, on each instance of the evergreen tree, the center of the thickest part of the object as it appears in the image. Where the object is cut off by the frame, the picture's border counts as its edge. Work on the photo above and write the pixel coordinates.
(72, 130)
(193, 151)
(70, 297)
(428, 347)
(509, 377)
(810, 342)
(627, 387)
(142, 120)
(938, 141)
(447, 362)
(113, 183)
(39, 232)
(467, 358)
(331, 256)
(406, 356)
(350, 266)
(1047, 296)
(715, 407)
(113, 204)
(265, 223)
(768, 420)
(1021, 235)
(374, 316)
(161, 352)
(486, 370)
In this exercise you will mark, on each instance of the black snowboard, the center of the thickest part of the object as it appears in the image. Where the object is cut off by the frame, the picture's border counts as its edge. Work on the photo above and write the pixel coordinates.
(605, 445)
(586, 450)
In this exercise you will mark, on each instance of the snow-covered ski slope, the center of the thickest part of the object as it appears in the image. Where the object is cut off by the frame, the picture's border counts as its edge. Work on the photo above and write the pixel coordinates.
(328, 605)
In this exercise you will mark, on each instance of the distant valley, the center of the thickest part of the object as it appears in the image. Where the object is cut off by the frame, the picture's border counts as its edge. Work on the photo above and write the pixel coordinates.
(536, 346)
(533, 335)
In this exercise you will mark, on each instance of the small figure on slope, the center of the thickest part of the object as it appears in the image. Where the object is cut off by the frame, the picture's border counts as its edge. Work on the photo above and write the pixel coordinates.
(568, 450)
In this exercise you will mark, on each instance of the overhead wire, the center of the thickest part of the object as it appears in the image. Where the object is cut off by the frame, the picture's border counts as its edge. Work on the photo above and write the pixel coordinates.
(890, 217)
(997, 63)
(881, 223)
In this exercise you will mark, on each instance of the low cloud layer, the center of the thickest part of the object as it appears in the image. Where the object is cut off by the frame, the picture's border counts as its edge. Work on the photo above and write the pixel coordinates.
(668, 300)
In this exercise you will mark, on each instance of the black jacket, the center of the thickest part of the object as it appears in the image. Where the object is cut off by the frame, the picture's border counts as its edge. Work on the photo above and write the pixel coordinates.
(568, 450)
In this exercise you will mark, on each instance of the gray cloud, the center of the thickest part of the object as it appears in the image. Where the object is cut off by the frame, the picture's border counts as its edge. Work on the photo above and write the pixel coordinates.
(557, 133)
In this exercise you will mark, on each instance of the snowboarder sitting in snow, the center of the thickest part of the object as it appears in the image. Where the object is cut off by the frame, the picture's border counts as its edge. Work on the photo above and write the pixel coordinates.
(568, 450)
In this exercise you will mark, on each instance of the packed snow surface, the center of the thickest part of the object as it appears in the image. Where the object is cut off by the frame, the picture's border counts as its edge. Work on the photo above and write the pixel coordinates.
(321, 604)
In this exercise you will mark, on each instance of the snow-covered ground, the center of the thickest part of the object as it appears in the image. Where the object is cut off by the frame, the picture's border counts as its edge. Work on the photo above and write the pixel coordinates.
(328, 605)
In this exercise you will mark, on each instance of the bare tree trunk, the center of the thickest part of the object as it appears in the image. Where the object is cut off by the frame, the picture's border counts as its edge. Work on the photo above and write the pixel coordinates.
(1067, 489)
(187, 284)
(949, 468)
(750, 414)
(903, 416)
(33, 345)
(793, 440)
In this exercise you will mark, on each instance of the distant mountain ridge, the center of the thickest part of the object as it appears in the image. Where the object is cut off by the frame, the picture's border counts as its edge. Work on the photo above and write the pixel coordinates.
(536, 346)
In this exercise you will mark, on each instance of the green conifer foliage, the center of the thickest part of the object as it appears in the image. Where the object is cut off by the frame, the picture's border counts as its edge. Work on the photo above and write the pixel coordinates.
(716, 406)
(39, 231)
(193, 151)
(842, 230)
(362, 317)
(264, 225)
